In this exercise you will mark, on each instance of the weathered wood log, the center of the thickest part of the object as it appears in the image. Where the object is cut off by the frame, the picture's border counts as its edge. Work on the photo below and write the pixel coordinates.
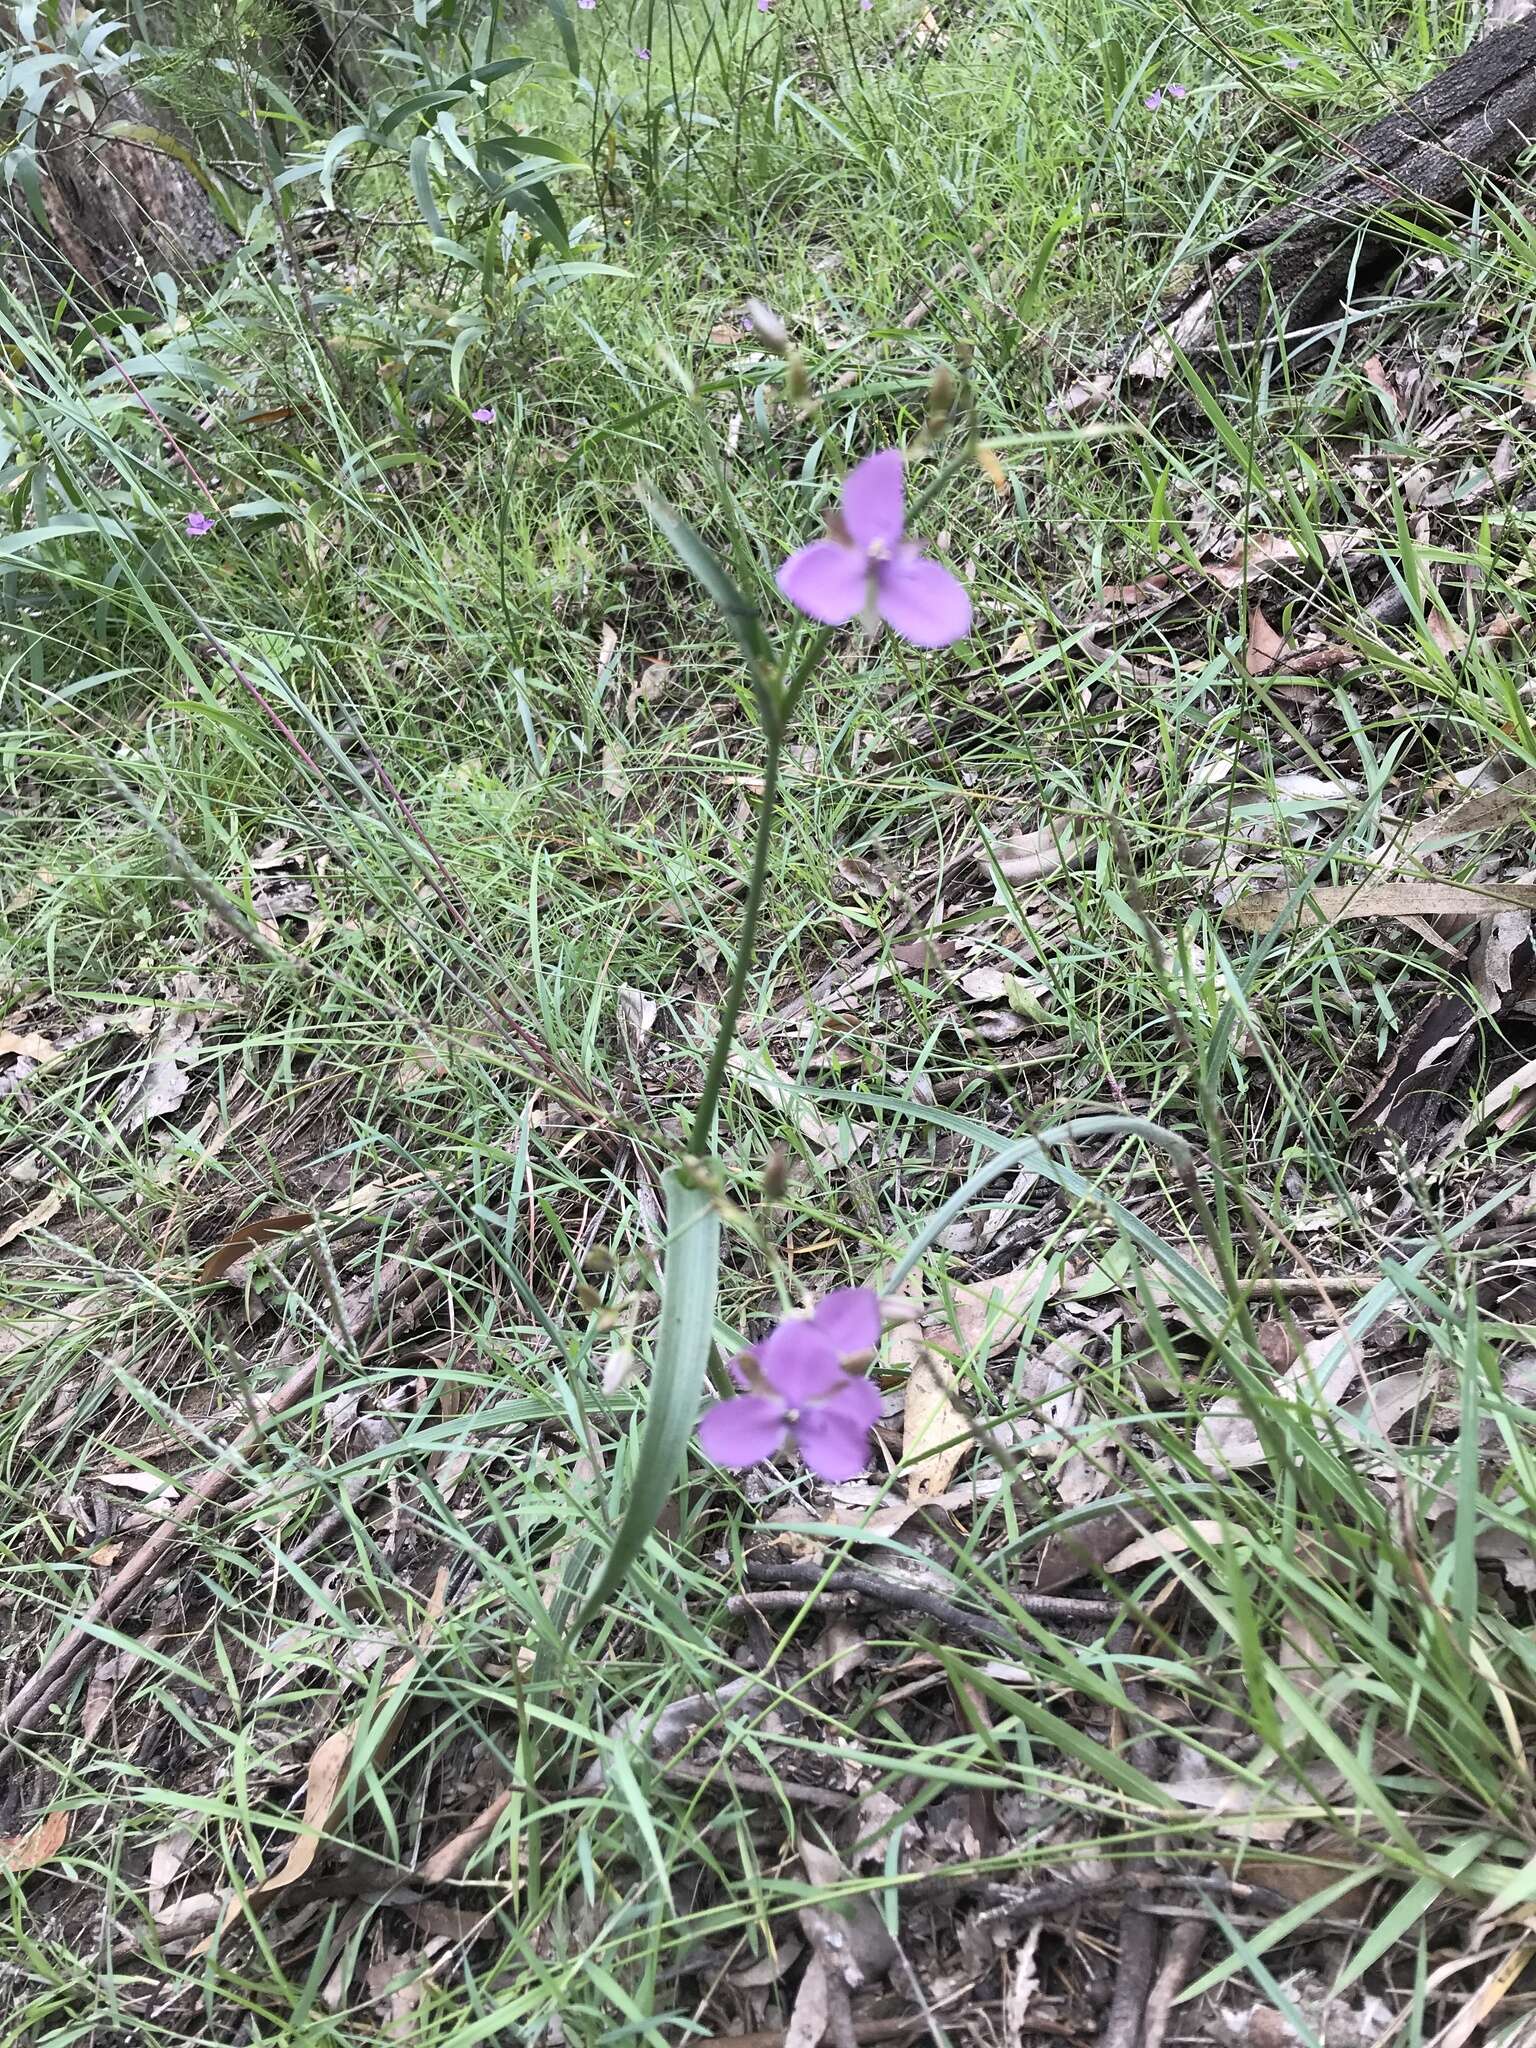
(1288, 269)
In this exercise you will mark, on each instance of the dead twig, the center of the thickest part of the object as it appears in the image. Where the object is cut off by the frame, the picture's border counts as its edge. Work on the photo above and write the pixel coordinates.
(723, 1778)
(884, 1590)
(1184, 1946)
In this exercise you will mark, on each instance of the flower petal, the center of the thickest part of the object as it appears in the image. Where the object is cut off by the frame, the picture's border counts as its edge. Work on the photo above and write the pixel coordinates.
(798, 1363)
(743, 1431)
(874, 499)
(850, 1320)
(826, 581)
(834, 1435)
(921, 601)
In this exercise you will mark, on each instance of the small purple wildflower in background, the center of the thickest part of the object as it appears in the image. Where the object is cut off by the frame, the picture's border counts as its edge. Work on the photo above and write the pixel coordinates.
(198, 523)
(764, 6)
(808, 1392)
(588, 5)
(1153, 101)
(865, 6)
(484, 415)
(1178, 92)
(1290, 63)
(642, 56)
(868, 566)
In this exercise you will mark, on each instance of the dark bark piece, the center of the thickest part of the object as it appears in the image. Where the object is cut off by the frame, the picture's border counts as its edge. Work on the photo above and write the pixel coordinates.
(1288, 269)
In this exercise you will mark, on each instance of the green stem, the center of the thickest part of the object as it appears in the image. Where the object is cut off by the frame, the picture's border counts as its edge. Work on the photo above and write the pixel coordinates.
(700, 1137)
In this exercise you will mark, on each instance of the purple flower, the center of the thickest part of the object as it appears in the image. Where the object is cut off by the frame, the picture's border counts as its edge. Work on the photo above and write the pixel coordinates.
(807, 1391)
(1290, 63)
(588, 5)
(643, 56)
(484, 415)
(764, 6)
(198, 523)
(868, 566)
(1153, 101)
(1178, 92)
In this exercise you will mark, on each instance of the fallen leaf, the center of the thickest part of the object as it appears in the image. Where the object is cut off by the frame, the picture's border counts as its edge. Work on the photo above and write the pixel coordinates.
(166, 1079)
(1263, 554)
(637, 1019)
(1263, 909)
(808, 2020)
(27, 1045)
(1376, 370)
(259, 1231)
(40, 1844)
(327, 1772)
(983, 1316)
(1030, 856)
(851, 1931)
(769, 1968)
(165, 1862)
(41, 1213)
(1325, 1371)
(451, 1859)
(1163, 1543)
(934, 1436)
(1508, 1106)
(1265, 645)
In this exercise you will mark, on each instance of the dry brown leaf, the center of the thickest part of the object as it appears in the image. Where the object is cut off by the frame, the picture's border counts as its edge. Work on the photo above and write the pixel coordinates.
(984, 1316)
(726, 334)
(451, 1859)
(777, 1962)
(259, 1231)
(41, 1213)
(27, 1045)
(1163, 1543)
(851, 1934)
(808, 2021)
(934, 1438)
(1262, 554)
(1323, 1374)
(327, 1771)
(1485, 810)
(40, 1844)
(1265, 645)
(1508, 1105)
(165, 1865)
(1376, 370)
(1262, 910)
(637, 1014)
(1025, 857)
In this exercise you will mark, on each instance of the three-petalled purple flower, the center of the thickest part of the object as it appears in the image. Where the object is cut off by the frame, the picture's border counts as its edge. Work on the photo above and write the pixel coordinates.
(805, 1385)
(868, 568)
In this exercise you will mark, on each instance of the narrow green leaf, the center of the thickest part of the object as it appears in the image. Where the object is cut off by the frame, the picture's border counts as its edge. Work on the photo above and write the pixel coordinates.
(690, 1285)
(421, 183)
(696, 557)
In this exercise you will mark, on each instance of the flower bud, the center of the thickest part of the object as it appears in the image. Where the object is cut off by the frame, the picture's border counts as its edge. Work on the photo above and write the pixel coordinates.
(797, 384)
(943, 390)
(768, 327)
(776, 1175)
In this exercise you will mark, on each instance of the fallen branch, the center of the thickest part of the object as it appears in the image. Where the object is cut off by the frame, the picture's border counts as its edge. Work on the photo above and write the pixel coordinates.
(887, 1591)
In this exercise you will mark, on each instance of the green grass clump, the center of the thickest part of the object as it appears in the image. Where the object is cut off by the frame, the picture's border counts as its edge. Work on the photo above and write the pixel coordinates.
(370, 869)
